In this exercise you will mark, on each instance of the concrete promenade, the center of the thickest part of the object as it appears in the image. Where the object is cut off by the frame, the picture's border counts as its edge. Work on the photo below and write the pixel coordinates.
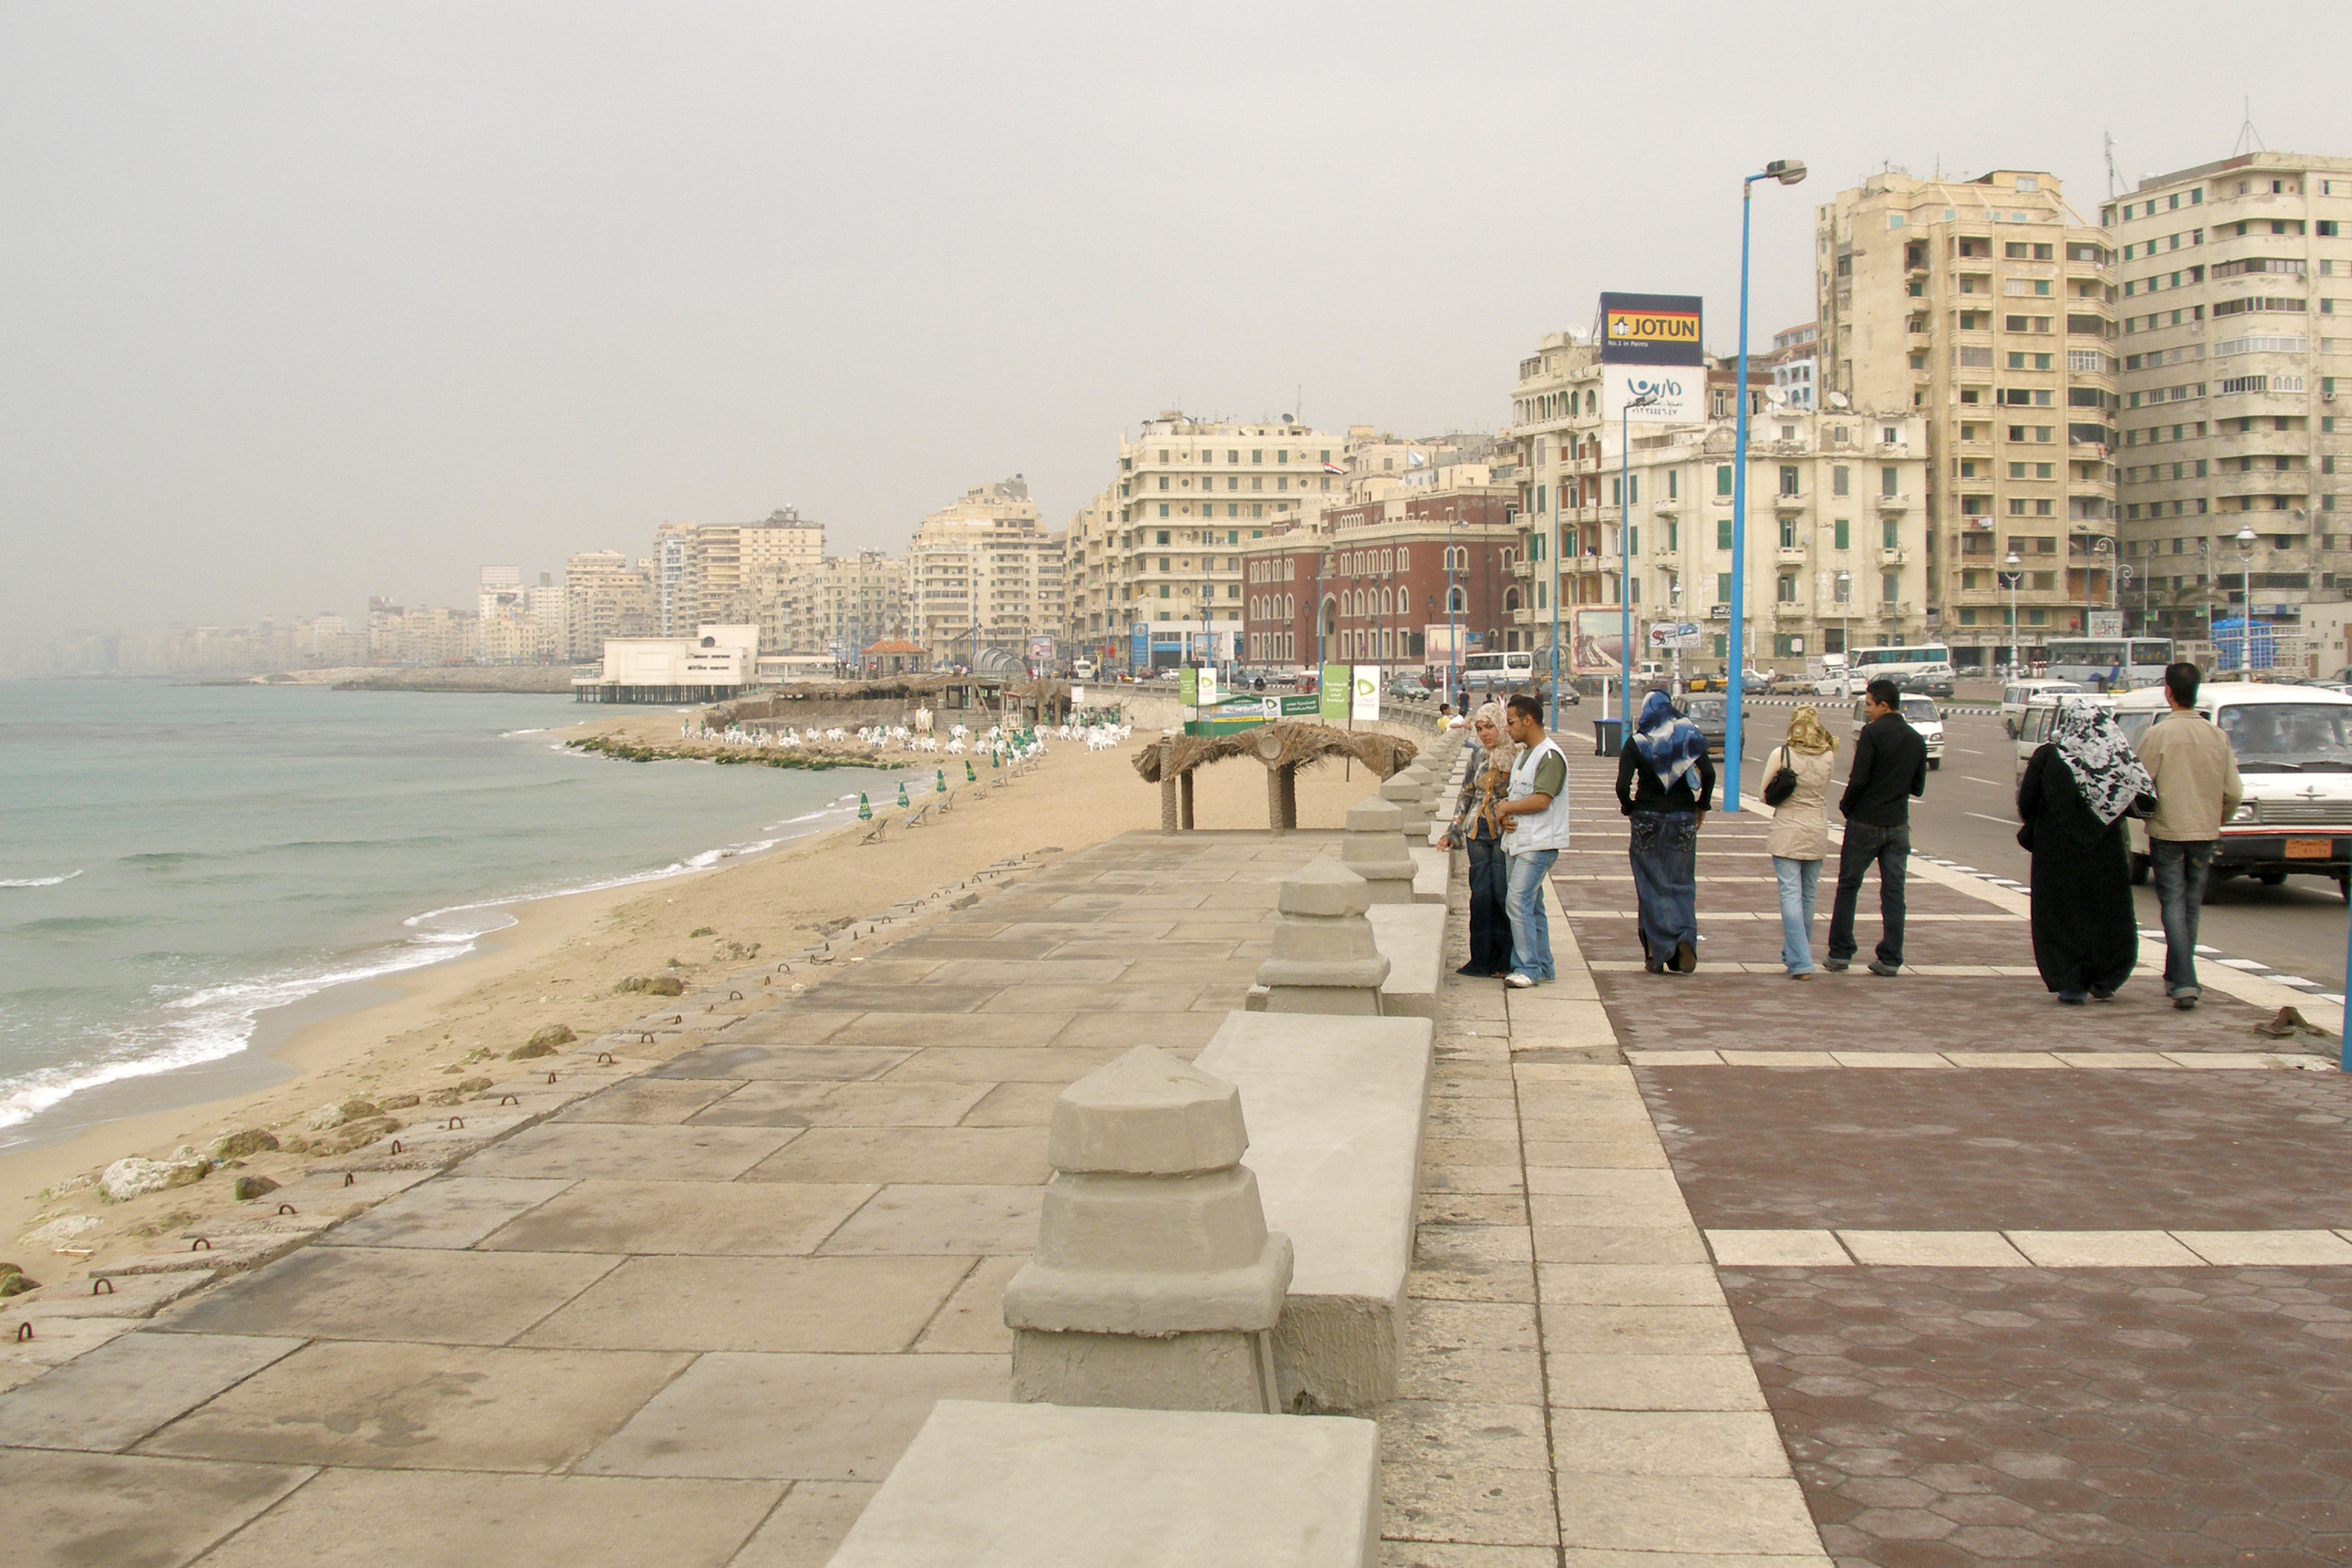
(1695, 1285)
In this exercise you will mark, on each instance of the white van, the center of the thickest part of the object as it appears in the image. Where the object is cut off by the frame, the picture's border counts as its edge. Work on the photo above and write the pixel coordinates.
(2039, 717)
(1082, 669)
(1501, 672)
(2018, 694)
(2294, 746)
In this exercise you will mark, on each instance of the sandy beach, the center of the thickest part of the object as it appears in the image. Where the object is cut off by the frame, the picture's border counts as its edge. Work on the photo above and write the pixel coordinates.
(562, 961)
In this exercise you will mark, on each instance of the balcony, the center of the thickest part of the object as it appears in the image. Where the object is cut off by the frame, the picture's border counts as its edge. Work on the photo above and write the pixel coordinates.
(1522, 569)
(1893, 503)
(1788, 506)
(1792, 555)
(1672, 507)
(1898, 557)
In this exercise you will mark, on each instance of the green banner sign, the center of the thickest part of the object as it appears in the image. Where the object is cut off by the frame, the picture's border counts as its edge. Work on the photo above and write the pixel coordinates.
(1188, 687)
(1307, 707)
(1331, 704)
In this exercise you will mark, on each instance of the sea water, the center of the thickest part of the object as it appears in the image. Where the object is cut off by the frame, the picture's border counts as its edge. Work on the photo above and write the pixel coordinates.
(176, 860)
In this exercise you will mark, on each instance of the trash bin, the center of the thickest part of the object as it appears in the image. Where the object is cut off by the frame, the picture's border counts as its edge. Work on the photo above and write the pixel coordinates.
(1608, 737)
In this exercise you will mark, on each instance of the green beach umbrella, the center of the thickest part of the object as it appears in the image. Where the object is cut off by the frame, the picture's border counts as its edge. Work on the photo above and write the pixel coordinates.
(940, 782)
(902, 792)
(865, 812)
(968, 777)
(995, 759)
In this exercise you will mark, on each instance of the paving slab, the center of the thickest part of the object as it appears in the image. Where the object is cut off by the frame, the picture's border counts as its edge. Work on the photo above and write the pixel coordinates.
(119, 1392)
(85, 1510)
(824, 1417)
(2284, 1248)
(914, 1219)
(574, 1150)
(821, 1063)
(383, 1293)
(1749, 1515)
(423, 1406)
(650, 1100)
(1668, 1443)
(453, 1212)
(737, 1218)
(2103, 1249)
(1781, 1248)
(954, 1156)
(779, 1103)
(842, 1305)
(54, 1343)
(806, 1526)
(1933, 1248)
(349, 1518)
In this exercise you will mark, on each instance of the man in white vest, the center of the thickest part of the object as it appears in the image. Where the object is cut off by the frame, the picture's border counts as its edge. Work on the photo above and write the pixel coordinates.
(1534, 830)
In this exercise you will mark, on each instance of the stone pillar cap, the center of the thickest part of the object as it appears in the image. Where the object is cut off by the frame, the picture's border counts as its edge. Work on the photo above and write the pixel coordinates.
(1326, 889)
(1146, 1114)
(1376, 815)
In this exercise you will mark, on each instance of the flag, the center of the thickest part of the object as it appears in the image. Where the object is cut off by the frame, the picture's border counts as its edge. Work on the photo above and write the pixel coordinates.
(1415, 459)
(1333, 469)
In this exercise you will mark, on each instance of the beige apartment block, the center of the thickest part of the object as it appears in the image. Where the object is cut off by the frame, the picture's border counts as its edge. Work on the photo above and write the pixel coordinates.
(846, 603)
(1089, 618)
(1988, 307)
(606, 595)
(1192, 492)
(982, 574)
(2237, 391)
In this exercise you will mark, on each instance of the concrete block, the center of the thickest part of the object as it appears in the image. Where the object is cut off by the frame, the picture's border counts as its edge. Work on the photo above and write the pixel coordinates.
(1412, 937)
(1336, 1108)
(1432, 870)
(1326, 957)
(1009, 1486)
(1375, 849)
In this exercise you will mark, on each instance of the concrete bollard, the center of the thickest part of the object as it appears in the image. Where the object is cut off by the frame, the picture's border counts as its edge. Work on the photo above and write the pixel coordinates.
(1156, 1284)
(1327, 958)
(1409, 795)
(1377, 850)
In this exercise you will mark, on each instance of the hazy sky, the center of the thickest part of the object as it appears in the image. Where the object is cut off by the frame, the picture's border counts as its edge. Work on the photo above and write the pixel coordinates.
(300, 304)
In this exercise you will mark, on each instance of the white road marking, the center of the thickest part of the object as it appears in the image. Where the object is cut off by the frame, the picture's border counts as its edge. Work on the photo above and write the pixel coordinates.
(1981, 816)
(1973, 779)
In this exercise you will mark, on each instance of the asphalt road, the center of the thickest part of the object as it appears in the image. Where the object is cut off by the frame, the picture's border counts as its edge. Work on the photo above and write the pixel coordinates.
(1969, 814)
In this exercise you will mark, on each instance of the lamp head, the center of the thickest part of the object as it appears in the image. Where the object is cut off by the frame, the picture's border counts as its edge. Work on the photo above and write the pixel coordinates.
(2245, 535)
(1788, 171)
(2012, 560)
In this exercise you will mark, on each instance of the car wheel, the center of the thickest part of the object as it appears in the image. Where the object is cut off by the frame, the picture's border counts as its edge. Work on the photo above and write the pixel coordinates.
(2140, 866)
(1935, 764)
(2270, 878)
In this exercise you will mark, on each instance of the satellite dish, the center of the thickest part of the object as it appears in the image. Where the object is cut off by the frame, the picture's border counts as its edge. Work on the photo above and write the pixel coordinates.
(1837, 400)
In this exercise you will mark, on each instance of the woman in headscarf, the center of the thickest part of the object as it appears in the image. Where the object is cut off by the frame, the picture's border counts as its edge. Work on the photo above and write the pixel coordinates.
(1480, 833)
(1665, 783)
(2071, 802)
(1800, 837)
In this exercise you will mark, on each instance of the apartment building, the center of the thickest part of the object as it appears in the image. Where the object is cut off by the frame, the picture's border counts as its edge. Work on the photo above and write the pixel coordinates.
(418, 635)
(1192, 492)
(982, 573)
(1987, 308)
(1090, 619)
(2237, 336)
(1794, 360)
(849, 603)
(606, 595)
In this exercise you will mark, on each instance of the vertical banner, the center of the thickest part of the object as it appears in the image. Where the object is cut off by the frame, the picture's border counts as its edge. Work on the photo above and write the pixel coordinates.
(1331, 706)
(1208, 684)
(1364, 702)
(1188, 687)
(1652, 355)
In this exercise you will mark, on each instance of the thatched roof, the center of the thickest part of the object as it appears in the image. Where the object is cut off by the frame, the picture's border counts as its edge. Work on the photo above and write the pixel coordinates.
(1287, 742)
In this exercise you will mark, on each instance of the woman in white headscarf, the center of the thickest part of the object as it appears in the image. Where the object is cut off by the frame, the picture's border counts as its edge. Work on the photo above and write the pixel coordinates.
(2072, 803)
(1479, 832)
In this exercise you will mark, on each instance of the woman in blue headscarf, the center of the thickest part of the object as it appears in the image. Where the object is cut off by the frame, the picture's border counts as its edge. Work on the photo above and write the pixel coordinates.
(1665, 785)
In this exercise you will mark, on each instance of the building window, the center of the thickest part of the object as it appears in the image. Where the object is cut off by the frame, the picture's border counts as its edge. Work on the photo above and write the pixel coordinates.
(1723, 587)
(1841, 480)
(1723, 534)
(1788, 479)
(1723, 479)
(1838, 534)
(1788, 587)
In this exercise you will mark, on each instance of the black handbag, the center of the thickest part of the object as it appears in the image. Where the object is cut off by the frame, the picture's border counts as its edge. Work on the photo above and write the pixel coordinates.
(1782, 783)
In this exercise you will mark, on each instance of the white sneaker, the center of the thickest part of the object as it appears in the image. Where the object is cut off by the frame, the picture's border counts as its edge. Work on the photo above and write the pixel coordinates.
(1518, 982)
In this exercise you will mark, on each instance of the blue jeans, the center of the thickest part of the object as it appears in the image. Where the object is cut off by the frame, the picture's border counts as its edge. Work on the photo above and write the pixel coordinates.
(2180, 869)
(1864, 847)
(1530, 932)
(1800, 880)
(1664, 848)
(1490, 921)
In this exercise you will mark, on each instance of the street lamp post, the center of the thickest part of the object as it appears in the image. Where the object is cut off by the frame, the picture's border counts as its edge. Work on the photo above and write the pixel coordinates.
(2013, 563)
(1551, 548)
(1845, 624)
(1788, 171)
(2245, 536)
(1626, 559)
(1452, 632)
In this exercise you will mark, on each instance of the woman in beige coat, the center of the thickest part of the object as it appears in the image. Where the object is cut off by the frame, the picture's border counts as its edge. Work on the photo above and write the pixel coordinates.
(1799, 839)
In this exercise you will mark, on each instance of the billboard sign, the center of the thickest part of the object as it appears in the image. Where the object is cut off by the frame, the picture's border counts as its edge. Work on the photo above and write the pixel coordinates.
(1667, 635)
(1653, 367)
(1598, 635)
(1208, 686)
(1332, 695)
(1305, 705)
(2107, 623)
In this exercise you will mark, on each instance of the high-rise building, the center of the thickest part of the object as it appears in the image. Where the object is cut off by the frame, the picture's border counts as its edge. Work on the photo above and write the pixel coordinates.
(2237, 336)
(1091, 623)
(982, 574)
(605, 594)
(1986, 307)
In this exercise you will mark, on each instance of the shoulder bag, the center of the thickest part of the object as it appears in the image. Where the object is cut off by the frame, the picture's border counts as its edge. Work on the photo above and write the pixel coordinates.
(1782, 783)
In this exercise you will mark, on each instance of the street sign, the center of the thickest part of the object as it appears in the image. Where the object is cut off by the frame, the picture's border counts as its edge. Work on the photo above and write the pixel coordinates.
(1666, 634)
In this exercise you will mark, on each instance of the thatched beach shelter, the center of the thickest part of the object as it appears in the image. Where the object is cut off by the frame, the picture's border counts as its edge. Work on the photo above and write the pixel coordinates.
(1282, 748)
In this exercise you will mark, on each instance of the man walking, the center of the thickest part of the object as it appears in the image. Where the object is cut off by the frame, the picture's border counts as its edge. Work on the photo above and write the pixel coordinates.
(2197, 789)
(1890, 767)
(1534, 813)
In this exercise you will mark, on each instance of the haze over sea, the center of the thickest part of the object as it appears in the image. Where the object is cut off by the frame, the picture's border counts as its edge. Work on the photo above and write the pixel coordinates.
(176, 860)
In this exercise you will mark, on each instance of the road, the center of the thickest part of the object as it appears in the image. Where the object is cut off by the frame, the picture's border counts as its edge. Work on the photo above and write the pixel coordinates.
(1969, 815)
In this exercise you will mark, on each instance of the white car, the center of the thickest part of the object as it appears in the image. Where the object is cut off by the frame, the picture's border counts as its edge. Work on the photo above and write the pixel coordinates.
(2019, 695)
(1921, 714)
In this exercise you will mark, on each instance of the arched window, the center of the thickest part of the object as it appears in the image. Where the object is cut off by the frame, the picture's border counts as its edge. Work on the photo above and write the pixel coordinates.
(1509, 555)
(1510, 601)
(1289, 607)
(1457, 602)
(1405, 560)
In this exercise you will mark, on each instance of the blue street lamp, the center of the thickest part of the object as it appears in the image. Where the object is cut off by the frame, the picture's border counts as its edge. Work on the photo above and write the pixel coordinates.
(1452, 632)
(1788, 171)
(1626, 560)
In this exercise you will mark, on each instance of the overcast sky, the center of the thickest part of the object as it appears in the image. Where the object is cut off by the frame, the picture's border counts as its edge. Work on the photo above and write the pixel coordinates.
(300, 304)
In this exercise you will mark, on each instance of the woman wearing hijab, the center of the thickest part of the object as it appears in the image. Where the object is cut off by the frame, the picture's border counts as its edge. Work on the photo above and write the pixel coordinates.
(1480, 833)
(1665, 785)
(1800, 837)
(2072, 803)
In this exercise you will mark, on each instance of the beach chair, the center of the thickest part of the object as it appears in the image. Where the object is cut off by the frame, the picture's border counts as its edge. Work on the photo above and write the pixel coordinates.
(915, 817)
(874, 833)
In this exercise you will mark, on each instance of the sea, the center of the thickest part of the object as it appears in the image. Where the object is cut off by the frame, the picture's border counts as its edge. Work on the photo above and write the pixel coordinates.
(179, 863)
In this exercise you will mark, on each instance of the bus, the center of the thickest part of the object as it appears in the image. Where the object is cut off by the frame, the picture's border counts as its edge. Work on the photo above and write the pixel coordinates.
(2108, 664)
(1923, 667)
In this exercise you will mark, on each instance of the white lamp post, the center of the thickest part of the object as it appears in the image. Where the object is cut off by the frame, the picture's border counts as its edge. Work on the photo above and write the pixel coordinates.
(2245, 538)
(2013, 562)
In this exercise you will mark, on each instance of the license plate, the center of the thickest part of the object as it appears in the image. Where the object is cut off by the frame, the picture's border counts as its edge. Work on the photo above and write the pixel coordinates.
(2309, 848)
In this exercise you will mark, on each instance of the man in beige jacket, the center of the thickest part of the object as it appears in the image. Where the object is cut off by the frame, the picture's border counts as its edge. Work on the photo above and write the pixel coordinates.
(2197, 790)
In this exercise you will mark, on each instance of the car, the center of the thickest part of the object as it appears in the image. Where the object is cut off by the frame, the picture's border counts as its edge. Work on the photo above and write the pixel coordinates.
(2040, 717)
(1921, 714)
(1713, 717)
(2019, 695)
(1411, 688)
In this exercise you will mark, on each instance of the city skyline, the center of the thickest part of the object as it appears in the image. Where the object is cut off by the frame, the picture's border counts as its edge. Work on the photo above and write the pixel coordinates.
(308, 309)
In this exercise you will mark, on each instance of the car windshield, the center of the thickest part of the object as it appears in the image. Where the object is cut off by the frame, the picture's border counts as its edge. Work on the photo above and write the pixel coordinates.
(1920, 711)
(2299, 737)
(1702, 709)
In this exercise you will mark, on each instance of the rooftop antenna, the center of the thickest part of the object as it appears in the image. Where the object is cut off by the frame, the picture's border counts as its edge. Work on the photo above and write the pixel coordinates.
(2248, 139)
(2113, 178)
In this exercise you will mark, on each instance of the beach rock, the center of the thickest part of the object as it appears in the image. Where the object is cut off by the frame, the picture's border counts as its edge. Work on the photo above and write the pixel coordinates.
(554, 1035)
(633, 983)
(326, 1118)
(134, 1175)
(665, 986)
(63, 1229)
(533, 1047)
(253, 1187)
(702, 931)
(238, 1145)
(400, 1101)
(14, 1281)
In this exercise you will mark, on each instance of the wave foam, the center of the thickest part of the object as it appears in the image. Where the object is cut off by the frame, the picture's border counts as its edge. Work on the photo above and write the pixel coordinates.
(36, 881)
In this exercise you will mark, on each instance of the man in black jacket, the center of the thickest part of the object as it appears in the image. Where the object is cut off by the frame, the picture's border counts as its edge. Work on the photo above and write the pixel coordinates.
(1890, 767)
